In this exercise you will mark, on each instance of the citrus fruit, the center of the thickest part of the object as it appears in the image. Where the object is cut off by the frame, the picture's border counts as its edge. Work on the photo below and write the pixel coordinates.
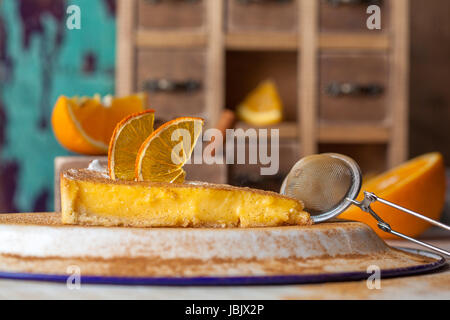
(418, 185)
(126, 140)
(85, 125)
(163, 154)
(262, 106)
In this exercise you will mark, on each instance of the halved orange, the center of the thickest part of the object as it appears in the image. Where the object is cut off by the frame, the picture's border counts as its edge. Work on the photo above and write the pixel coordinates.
(262, 106)
(85, 125)
(125, 143)
(162, 156)
(418, 185)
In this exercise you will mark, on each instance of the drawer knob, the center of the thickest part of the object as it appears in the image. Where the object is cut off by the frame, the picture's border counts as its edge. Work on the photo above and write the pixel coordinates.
(166, 85)
(336, 3)
(262, 1)
(336, 89)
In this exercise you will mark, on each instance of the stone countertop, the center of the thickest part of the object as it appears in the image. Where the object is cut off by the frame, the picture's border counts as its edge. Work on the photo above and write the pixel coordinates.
(429, 286)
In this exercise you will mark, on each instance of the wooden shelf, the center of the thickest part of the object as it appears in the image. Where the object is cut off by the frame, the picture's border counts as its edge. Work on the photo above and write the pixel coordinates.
(170, 39)
(353, 133)
(288, 130)
(332, 133)
(261, 41)
(352, 41)
(290, 42)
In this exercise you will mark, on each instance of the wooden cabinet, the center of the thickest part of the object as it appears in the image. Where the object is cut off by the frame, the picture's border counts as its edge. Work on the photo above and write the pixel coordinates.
(260, 16)
(344, 87)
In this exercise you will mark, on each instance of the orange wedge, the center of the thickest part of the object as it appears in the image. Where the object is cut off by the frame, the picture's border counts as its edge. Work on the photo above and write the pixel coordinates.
(418, 185)
(127, 138)
(262, 106)
(163, 154)
(85, 125)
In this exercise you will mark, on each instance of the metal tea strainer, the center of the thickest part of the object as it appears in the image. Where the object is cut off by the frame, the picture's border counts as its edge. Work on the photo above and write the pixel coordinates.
(329, 183)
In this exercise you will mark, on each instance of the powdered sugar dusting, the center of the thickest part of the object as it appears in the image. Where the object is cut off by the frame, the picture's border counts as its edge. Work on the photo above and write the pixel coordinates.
(96, 166)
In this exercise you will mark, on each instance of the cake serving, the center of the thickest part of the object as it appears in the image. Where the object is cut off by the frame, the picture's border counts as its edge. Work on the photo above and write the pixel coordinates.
(143, 185)
(90, 197)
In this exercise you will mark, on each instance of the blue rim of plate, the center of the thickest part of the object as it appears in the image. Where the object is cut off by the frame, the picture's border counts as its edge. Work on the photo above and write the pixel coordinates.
(245, 280)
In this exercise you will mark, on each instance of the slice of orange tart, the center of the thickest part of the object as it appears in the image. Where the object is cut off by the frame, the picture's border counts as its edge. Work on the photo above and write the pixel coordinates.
(92, 198)
(157, 196)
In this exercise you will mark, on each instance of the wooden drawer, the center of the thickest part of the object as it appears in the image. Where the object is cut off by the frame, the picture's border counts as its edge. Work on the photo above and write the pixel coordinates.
(353, 87)
(174, 80)
(249, 175)
(265, 15)
(170, 14)
(341, 16)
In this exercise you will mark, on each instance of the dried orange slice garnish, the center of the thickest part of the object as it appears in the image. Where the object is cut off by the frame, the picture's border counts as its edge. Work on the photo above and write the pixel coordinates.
(418, 185)
(125, 143)
(162, 156)
(85, 125)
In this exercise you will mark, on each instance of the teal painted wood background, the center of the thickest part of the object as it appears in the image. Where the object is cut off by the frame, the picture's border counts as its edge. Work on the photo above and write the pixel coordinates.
(41, 59)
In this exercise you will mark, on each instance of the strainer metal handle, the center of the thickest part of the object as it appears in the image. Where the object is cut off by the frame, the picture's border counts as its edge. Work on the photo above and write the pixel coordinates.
(329, 183)
(369, 198)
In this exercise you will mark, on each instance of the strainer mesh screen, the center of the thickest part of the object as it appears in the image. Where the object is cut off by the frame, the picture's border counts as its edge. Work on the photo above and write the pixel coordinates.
(320, 181)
